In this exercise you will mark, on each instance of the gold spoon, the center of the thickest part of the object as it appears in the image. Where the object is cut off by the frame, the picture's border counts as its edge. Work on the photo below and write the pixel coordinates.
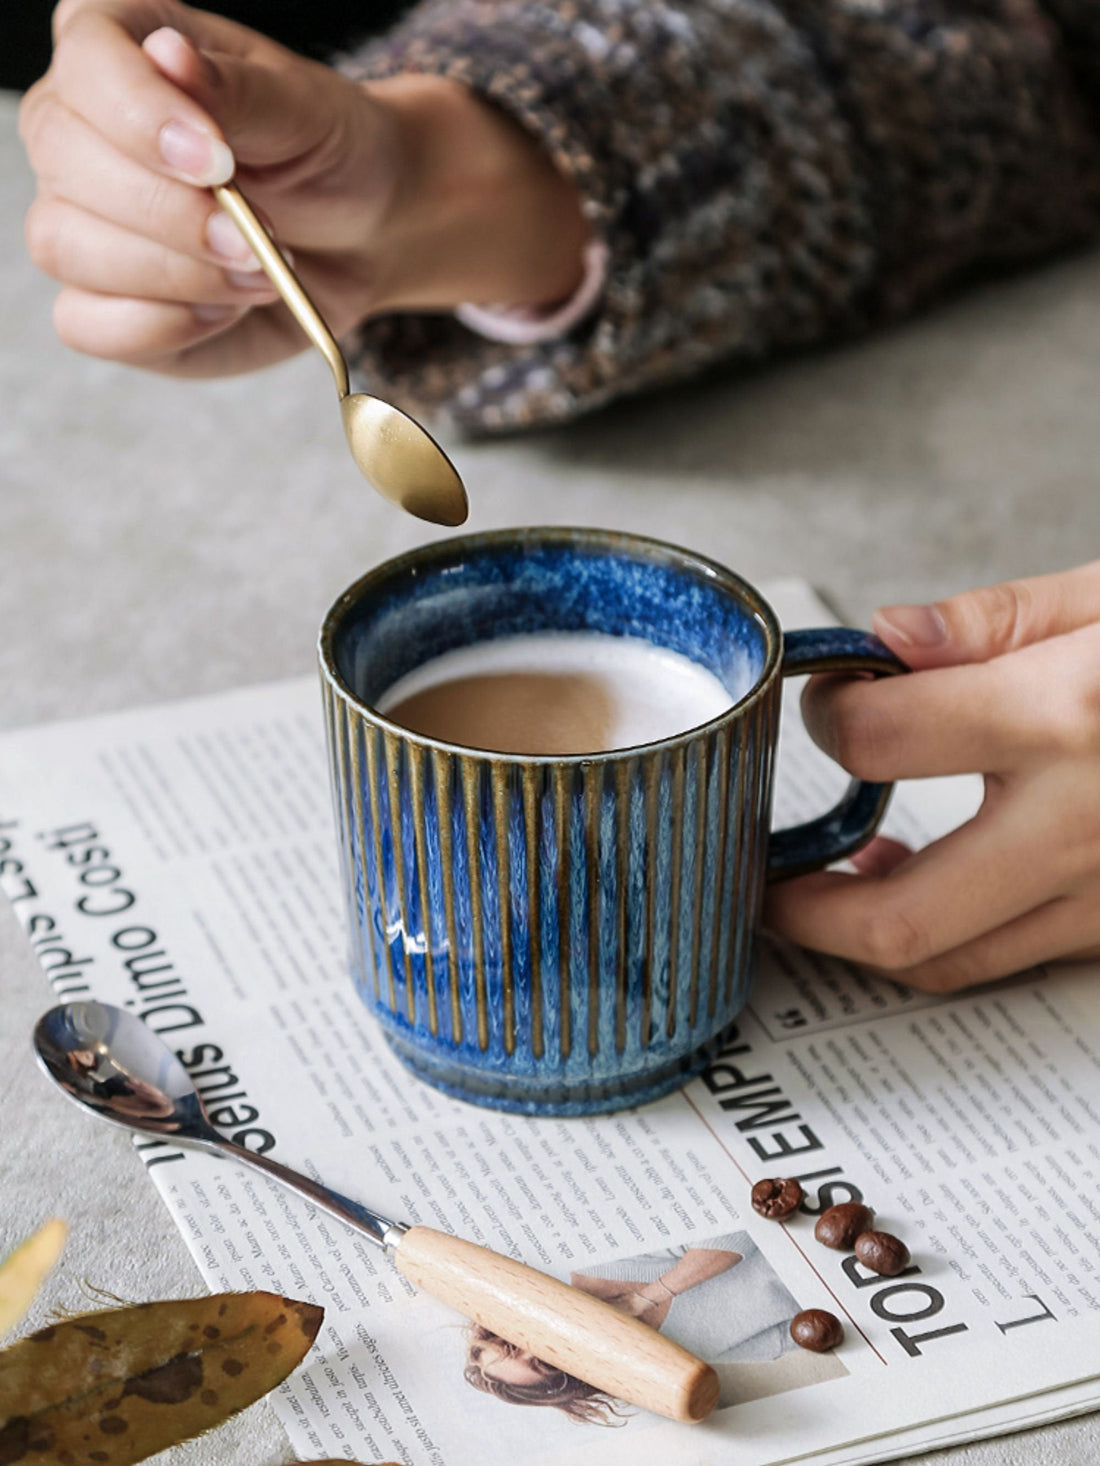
(396, 456)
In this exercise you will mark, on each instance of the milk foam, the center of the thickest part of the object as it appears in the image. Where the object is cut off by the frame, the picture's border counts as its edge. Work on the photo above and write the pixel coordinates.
(650, 693)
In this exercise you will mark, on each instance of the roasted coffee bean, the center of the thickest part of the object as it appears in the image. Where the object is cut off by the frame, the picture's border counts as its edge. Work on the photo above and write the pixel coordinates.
(883, 1253)
(817, 1330)
(776, 1198)
(841, 1225)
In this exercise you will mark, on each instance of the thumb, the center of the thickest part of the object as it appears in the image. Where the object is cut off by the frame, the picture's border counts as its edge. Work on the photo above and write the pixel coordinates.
(981, 624)
(269, 105)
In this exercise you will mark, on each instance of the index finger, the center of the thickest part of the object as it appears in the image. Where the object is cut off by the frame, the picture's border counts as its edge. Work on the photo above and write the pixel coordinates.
(993, 620)
(101, 73)
(954, 720)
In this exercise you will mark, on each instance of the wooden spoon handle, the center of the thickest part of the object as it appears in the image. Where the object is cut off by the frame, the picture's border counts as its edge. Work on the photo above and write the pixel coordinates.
(559, 1324)
(285, 281)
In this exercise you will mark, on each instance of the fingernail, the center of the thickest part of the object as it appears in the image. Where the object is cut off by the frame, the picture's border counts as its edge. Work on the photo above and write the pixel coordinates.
(195, 155)
(226, 240)
(250, 281)
(912, 625)
(167, 35)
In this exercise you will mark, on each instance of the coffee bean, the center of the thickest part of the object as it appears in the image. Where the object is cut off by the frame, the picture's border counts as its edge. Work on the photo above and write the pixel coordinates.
(882, 1253)
(841, 1225)
(776, 1198)
(816, 1330)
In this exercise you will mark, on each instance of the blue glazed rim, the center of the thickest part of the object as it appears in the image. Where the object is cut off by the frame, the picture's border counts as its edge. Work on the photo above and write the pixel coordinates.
(438, 553)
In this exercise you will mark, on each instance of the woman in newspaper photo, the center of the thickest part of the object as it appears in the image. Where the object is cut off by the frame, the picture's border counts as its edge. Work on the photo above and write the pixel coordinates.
(721, 1299)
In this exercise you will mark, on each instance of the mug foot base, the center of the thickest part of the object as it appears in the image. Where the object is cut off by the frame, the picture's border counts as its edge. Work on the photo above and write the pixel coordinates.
(517, 1096)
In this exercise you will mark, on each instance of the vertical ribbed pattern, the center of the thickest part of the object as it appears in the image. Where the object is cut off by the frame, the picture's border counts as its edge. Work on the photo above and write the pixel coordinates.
(350, 748)
(675, 879)
(469, 772)
(404, 923)
(419, 810)
(535, 928)
(591, 781)
(442, 776)
(531, 779)
(371, 738)
(623, 789)
(719, 918)
(501, 794)
(562, 783)
(696, 820)
(741, 819)
(353, 868)
(650, 881)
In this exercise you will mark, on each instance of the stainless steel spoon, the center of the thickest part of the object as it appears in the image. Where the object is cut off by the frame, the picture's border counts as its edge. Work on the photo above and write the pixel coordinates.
(108, 1061)
(395, 454)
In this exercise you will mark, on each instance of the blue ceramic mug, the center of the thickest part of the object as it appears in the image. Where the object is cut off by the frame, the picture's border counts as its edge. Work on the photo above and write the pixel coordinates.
(566, 935)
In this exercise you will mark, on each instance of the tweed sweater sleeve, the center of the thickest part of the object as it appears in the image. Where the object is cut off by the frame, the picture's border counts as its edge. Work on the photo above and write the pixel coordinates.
(764, 174)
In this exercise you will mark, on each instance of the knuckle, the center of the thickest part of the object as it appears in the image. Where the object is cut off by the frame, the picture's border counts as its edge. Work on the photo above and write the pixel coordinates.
(1065, 719)
(1086, 727)
(1072, 724)
(1079, 733)
(73, 38)
(63, 61)
(862, 738)
(65, 11)
(171, 214)
(892, 941)
(28, 108)
(66, 324)
(156, 207)
(40, 229)
(35, 111)
(994, 619)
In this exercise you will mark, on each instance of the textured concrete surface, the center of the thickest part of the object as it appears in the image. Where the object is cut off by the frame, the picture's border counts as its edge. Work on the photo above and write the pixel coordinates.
(159, 539)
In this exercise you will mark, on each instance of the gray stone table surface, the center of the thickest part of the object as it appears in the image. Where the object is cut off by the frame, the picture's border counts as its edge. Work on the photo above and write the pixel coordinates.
(159, 539)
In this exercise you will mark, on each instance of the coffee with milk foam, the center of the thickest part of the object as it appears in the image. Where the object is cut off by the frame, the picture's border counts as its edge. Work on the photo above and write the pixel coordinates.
(557, 693)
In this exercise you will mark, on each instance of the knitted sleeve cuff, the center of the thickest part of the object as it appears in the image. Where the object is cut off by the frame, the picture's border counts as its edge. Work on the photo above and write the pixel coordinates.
(714, 169)
(760, 174)
(522, 326)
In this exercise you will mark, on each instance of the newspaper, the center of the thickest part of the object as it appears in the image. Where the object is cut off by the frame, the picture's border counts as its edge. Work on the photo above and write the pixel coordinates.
(180, 860)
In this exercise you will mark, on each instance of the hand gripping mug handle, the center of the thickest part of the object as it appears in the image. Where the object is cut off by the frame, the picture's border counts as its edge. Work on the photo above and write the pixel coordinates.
(852, 822)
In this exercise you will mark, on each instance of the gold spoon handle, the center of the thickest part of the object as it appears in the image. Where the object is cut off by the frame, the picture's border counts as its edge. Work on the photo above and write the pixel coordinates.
(285, 281)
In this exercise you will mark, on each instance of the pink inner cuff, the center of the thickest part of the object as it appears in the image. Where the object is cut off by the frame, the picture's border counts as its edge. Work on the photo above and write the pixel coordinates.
(525, 325)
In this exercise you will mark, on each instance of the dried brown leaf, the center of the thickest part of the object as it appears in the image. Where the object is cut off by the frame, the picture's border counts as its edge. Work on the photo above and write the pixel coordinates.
(116, 1386)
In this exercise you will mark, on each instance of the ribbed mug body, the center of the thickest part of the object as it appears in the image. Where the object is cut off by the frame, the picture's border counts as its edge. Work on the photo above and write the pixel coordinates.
(550, 935)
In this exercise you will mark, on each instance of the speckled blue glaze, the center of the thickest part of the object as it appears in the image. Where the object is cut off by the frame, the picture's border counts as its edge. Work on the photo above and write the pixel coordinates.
(530, 585)
(565, 936)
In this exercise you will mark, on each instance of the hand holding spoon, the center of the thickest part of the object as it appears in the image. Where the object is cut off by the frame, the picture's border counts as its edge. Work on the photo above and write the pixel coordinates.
(395, 454)
(110, 1062)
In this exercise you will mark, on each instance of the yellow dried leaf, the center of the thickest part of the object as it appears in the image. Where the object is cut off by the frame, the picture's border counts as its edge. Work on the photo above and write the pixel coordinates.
(116, 1386)
(22, 1272)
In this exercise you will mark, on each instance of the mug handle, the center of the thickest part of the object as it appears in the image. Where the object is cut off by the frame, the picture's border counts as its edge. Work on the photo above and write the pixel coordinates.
(851, 823)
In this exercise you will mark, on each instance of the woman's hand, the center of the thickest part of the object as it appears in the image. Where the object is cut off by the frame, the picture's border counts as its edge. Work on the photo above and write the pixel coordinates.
(650, 1302)
(1006, 683)
(401, 194)
(632, 1299)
